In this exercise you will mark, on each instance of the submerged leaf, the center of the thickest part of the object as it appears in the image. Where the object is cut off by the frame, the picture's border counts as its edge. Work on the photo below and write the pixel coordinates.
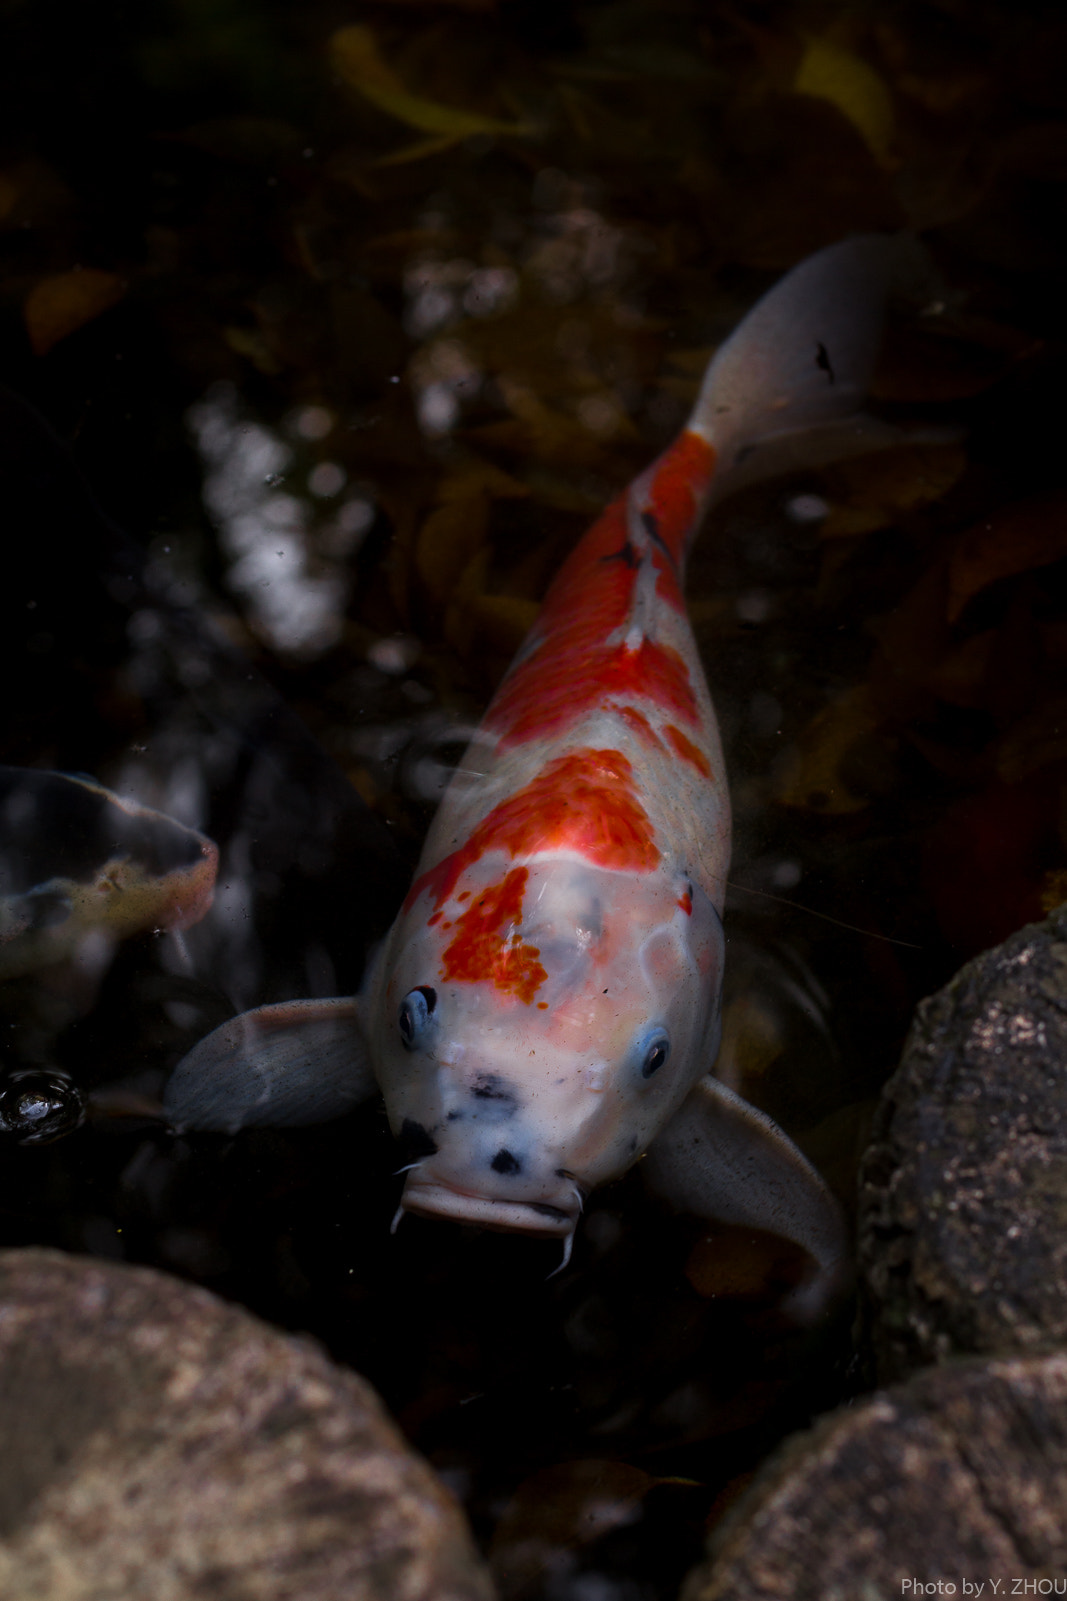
(448, 540)
(960, 678)
(59, 305)
(1031, 534)
(828, 72)
(477, 477)
(416, 152)
(871, 492)
(839, 762)
(543, 433)
(751, 1039)
(1036, 741)
(1054, 889)
(741, 1263)
(503, 620)
(559, 1510)
(456, 530)
(250, 343)
(354, 53)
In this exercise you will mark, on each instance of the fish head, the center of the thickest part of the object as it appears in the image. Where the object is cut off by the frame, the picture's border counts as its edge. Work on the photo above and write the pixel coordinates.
(533, 1029)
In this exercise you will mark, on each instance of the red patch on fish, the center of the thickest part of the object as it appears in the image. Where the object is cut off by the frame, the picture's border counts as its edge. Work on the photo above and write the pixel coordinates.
(573, 672)
(689, 752)
(486, 949)
(640, 725)
(680, 481)
(583, 801)
(584, 655)
(686, 903)
(571, 669)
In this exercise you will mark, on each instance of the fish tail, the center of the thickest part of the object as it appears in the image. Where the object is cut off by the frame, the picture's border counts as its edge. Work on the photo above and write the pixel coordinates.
(787, 388)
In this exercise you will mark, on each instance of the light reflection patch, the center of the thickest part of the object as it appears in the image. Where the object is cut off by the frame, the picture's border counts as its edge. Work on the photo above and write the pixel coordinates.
(292, 583)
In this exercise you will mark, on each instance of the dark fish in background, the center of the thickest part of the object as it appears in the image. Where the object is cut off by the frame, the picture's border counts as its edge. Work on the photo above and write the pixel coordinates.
(80, 869)
(118, 679)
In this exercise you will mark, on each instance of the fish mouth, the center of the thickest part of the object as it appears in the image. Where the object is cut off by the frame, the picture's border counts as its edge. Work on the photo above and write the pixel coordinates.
(432, 1198)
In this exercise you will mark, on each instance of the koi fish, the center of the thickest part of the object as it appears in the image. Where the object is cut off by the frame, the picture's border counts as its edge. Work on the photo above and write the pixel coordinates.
(545, 1009)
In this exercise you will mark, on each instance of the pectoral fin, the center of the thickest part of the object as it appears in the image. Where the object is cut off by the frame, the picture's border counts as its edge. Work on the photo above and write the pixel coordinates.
(720, 1158)
(278, 1066)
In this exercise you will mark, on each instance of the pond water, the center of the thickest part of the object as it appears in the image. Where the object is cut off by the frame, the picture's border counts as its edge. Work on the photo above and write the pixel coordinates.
(346, 320)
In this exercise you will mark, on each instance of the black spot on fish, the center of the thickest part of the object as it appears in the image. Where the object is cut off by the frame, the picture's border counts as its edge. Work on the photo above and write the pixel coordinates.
(453, 1116)
(651, 527)
(822, 361)
(491, 1087)
(625, 553)
(416, 1141)
(631, 1149)
(504, 1162)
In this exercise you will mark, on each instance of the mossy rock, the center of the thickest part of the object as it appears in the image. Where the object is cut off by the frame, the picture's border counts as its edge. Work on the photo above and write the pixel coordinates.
(963, 1189)
(160, 1444)
(961, 1473)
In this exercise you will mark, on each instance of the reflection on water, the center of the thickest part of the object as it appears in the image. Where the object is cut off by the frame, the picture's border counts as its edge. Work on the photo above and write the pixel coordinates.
(290, 574)
(563, 252)
(353, 373)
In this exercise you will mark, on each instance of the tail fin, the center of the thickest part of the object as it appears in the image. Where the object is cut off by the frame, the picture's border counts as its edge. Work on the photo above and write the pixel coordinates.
(786, 388)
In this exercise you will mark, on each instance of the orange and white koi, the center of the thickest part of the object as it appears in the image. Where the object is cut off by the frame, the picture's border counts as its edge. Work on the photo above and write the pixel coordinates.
(545, 1009)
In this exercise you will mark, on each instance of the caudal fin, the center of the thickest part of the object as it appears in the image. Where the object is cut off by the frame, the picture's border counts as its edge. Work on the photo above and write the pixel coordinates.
(787, 388)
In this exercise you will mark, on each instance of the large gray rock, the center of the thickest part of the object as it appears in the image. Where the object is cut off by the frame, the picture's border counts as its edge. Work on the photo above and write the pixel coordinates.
(963, 1192)
(159, 1443)
(959, 1474)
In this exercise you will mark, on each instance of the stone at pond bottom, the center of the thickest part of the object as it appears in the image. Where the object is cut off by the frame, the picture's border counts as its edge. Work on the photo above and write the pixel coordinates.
(963, 1198)
(158, 1443)
(959, 1474)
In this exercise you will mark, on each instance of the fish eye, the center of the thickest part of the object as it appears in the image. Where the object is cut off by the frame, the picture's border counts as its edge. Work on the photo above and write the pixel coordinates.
(416, 1009)
(657, 1050)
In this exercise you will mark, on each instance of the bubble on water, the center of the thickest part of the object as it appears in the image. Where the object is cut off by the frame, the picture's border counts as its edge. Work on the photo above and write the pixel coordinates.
(806, 509)
(438, 409)
(394, 655)
(490, 290)
(264, 530)
(355, 516)
(753, 605)
(600, 415)
(327, 479)
(313, 422)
